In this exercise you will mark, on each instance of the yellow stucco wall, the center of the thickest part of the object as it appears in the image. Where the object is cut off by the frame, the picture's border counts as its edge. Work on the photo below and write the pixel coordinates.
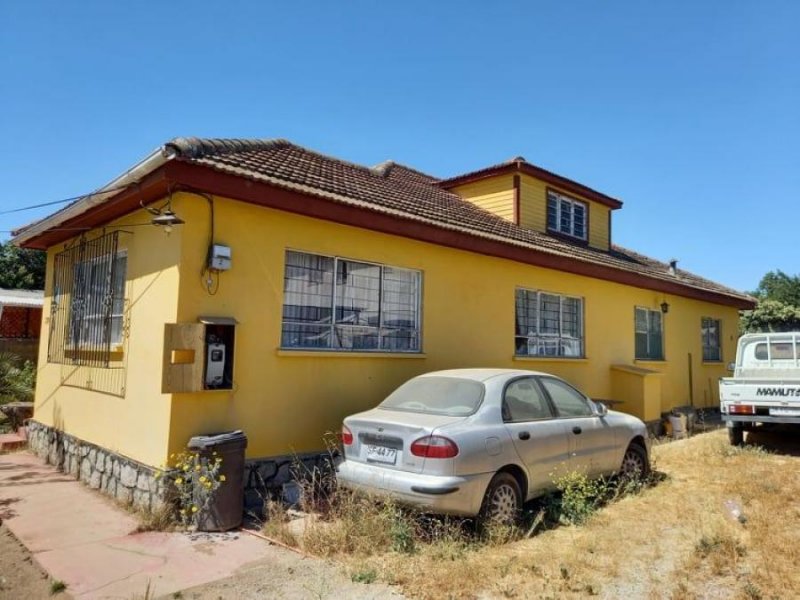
(533, 210)
(286, 399)
(495, 195)
(130, 416)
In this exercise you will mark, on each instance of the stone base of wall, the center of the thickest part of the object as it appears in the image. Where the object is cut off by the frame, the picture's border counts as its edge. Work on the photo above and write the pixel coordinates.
(135, 484)
(278, 477)
(126, 480)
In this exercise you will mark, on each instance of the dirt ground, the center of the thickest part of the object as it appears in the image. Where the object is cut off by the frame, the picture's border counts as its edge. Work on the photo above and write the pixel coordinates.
(720, 524)
(20, 577)
(288, 575)
(681, 539)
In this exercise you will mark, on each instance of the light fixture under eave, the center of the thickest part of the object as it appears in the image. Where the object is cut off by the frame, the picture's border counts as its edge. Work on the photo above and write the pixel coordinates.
(167, 220)
(664, 307)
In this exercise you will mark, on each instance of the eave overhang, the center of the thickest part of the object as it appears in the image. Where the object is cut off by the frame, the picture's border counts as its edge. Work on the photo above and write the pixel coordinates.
(179, 174)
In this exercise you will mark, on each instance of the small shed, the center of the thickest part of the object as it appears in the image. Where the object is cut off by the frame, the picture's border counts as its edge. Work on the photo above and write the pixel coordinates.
(21, 321)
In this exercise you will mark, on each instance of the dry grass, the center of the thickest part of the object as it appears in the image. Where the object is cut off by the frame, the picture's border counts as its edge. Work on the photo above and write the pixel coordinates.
(677, 539)
(160, 518)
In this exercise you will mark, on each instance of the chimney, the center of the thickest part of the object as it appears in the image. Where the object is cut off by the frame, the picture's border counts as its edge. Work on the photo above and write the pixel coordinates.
(673, 266)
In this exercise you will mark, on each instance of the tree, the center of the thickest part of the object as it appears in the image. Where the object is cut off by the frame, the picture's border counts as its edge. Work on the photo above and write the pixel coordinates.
(778, 286)
(778, 307)
(20, 268)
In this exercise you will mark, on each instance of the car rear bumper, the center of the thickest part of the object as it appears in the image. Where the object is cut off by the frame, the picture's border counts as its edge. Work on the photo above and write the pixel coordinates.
(453, 495)
(759, 419)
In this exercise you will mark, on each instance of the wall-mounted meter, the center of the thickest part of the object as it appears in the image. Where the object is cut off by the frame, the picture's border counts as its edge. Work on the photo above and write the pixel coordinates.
(219, 257)
(215, 364)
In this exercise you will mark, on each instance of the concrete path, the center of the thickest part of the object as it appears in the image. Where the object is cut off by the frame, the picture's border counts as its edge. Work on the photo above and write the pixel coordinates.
(86, 541)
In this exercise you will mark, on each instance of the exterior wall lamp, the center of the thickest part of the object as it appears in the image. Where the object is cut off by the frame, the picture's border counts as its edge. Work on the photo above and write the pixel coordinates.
(664, 307)
(167, 220)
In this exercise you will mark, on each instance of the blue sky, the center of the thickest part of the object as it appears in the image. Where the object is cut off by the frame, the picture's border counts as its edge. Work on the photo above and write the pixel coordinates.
(689, 112)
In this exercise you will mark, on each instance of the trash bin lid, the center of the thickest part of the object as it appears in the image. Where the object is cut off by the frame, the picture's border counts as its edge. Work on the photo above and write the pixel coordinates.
(212, 440)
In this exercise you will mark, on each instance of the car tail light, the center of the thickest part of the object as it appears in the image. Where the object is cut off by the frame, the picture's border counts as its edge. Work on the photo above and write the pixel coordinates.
(434, 446)
(347, 435)
(742, 409)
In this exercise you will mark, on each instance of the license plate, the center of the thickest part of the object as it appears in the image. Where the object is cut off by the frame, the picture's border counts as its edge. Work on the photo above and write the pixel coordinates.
(785, 412)
(381, 454)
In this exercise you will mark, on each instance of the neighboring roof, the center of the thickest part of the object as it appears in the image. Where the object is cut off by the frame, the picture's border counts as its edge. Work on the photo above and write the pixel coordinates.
(519, 165)
(30, 298)
(392, 190)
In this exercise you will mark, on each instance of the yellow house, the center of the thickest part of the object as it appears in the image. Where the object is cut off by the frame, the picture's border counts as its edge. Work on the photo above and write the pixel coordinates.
(257, 285)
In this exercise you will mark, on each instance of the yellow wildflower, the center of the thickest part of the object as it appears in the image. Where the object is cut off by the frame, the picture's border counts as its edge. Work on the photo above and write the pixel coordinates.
(194, 509)
(183, 511)
(179, 481)
(202, 479)
(222, 477)
(197, 467)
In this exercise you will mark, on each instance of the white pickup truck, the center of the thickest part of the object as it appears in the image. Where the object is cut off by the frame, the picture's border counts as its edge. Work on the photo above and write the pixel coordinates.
(765, 387)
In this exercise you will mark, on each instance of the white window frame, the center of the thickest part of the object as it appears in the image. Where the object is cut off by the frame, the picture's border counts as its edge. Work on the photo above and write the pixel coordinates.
(558, 198)
(379, 328)
(535, 339)
(647, 332)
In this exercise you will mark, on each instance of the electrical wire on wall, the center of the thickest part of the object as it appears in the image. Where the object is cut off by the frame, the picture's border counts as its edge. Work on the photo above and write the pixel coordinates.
(208, 280)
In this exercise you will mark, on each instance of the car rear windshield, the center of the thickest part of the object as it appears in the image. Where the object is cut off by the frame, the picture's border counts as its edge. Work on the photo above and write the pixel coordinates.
(437, 396)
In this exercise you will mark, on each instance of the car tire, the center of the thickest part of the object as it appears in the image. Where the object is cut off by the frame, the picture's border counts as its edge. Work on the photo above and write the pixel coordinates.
(502, 502)
(736, 434)
(635, 464)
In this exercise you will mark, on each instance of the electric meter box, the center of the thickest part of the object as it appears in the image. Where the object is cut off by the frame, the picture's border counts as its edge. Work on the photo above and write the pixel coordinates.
(215, 364)
(219, 257)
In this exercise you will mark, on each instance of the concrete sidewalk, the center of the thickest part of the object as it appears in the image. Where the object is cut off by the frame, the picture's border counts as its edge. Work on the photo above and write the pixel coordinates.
(86, 541)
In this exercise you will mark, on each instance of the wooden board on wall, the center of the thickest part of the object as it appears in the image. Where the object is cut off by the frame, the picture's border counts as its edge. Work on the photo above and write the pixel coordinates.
(183, 357)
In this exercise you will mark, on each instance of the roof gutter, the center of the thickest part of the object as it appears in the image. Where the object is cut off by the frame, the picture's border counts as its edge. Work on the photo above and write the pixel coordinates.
(136, 173)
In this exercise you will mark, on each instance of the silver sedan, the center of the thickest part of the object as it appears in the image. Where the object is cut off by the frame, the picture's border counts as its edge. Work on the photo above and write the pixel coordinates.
(480, 442)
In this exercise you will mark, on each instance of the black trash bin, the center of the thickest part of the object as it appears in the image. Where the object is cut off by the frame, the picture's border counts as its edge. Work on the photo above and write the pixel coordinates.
(226, 507)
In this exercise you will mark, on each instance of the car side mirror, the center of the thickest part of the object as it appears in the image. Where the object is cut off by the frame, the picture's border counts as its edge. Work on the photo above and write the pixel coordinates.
(601, 410)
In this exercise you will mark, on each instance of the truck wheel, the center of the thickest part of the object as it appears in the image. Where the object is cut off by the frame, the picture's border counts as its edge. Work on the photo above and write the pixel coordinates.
(736, 434)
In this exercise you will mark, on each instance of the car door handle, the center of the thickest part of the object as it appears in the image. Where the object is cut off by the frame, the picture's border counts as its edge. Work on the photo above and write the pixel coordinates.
(524, 435)
(576, 430)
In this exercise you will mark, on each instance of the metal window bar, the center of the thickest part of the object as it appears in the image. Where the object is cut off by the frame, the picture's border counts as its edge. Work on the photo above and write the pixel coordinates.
(83, 298)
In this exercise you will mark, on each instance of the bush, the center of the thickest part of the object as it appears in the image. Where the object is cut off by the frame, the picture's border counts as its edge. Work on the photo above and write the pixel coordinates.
(195, 479)
(17, 379)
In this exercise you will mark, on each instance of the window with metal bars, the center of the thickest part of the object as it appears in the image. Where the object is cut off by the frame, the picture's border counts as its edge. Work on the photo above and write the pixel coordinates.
(331, 303)
(86, 320)
(548, 324)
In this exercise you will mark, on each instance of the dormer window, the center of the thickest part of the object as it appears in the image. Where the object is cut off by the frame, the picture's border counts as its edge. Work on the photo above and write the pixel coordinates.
(566, 215)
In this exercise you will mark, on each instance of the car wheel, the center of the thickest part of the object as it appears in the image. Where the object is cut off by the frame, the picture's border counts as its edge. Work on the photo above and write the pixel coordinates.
(634, 463)
(736, 434)
(502, 502)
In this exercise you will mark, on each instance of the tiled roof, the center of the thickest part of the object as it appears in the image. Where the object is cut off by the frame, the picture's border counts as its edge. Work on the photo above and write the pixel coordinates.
(395, 189)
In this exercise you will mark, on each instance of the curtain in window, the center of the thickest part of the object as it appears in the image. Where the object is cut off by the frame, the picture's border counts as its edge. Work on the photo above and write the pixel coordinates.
(349, 305)
(307, 301)
(358, 299)
(400, 323)
(548, 324)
